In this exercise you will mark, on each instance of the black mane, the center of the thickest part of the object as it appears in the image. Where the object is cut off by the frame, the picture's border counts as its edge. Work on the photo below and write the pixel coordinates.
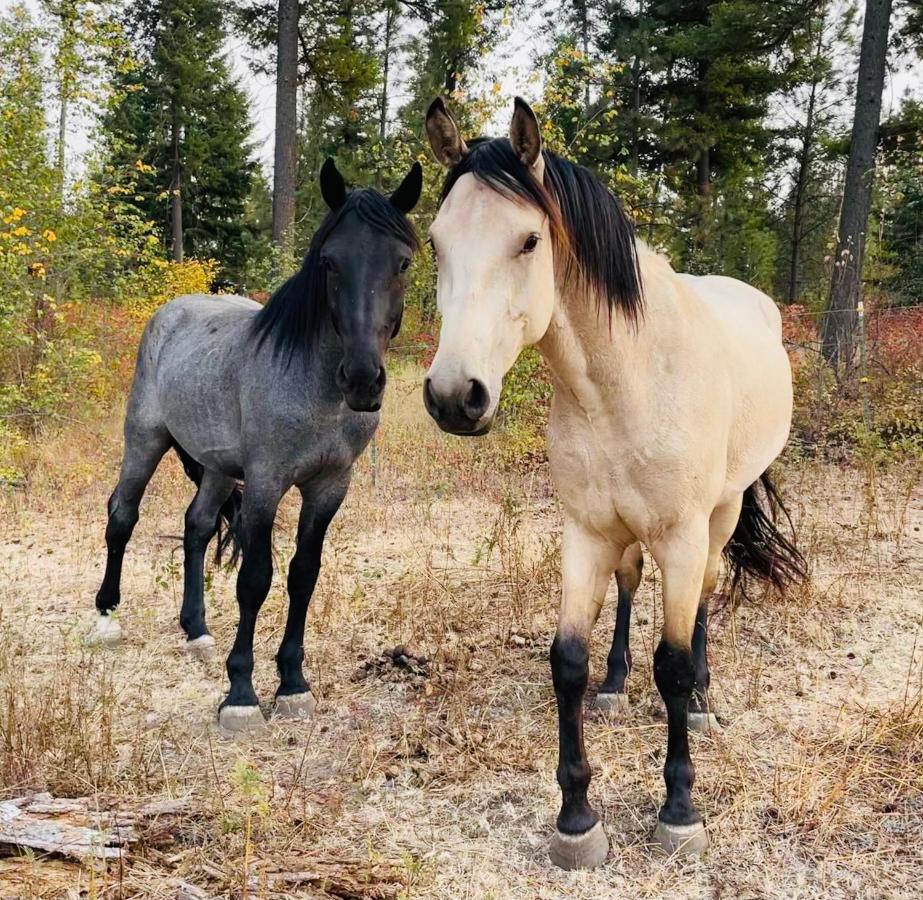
(294, 314)
(591, 231)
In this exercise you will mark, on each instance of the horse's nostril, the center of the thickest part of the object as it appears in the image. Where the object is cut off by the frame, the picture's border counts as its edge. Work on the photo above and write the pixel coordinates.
(476, 400)
(382, 378)
(341, 376)
(429, 398)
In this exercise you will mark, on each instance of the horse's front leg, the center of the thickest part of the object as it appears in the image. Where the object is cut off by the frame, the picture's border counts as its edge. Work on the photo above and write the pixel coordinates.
(682, 556)
(587, 564)
(294, 698)
(240, 710)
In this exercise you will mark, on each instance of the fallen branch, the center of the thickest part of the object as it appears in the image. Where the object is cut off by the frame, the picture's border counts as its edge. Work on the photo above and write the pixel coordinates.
(75, 827)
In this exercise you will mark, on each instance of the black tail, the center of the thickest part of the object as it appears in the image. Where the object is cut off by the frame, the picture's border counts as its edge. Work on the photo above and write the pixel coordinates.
(758, 548)
(229, 512)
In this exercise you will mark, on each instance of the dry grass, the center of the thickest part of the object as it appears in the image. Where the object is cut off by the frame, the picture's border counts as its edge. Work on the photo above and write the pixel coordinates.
(442, 785)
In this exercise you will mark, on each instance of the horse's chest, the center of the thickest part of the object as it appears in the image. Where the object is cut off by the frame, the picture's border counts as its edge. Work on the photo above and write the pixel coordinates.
(333, 450)
(589, 472)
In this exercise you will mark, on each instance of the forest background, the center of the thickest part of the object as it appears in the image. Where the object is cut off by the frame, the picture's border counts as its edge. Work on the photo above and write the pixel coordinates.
(135, 165)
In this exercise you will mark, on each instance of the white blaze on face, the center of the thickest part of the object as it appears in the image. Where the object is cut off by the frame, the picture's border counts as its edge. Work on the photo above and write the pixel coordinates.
(495, 288)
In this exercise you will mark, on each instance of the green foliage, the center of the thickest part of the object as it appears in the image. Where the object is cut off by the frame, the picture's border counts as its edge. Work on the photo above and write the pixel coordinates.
(80, 268)
(182, 123)
(900, 201)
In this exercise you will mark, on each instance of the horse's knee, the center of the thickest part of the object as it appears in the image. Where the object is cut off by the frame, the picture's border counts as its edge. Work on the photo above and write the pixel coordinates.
(570, 668)
(254, 580)
(674, 672)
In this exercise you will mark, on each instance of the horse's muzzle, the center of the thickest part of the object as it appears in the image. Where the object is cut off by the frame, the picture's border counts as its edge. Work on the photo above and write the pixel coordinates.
(461, 411)
(362, 391)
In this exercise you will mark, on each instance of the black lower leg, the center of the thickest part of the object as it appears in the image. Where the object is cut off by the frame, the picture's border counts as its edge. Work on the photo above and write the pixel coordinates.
(699, 700)
(302, 578)
(192, 613)
(673, 673)
(253, 583)
(201, 525)
(618, 663)
(570, 671)
(123, 515)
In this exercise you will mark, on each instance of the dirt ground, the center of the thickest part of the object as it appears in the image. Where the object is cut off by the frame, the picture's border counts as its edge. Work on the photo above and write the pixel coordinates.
(438, 782)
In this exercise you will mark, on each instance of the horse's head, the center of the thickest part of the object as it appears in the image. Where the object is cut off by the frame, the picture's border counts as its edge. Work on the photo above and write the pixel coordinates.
(363, 250)
(493, 242)
(517, 226)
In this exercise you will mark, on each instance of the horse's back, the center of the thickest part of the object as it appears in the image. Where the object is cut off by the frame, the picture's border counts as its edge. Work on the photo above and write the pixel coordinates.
(187, 371)
(738, 304)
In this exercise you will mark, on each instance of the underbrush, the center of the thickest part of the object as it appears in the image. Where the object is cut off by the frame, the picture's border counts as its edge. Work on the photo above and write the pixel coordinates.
(876, 413)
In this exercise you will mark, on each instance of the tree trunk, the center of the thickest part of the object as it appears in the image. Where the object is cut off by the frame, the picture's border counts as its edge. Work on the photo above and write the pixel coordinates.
(703, 172)
(283, 179)
(176, 191)
(585, 47)
(390, 18)
(62, 139)
(839, 324)
(801, 183)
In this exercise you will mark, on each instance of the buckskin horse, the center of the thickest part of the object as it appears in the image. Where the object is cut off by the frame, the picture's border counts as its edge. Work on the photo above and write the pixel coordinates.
(672, 395)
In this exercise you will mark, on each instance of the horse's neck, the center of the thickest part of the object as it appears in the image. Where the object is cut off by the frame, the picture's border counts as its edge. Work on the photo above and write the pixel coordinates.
(316, 373)
(594, 358)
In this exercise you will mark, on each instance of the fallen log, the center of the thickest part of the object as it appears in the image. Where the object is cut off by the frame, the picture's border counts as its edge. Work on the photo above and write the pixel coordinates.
(76, 827)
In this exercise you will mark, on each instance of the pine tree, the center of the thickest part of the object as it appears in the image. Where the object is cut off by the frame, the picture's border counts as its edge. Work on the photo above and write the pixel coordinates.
(456, 35)
(184, 122)
(283, 186)
(839, 323)
(816, 101)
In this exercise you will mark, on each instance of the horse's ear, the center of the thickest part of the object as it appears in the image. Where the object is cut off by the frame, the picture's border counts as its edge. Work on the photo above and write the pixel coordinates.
(408, 193)
(332, 185)
(525, 135)
(444, 138)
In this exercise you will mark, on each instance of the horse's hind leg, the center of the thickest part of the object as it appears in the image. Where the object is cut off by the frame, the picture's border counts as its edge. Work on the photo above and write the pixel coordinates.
(721, 526)
(613, 696)
(201, 524)
(144, 448)
(293, 698)
(682, 555)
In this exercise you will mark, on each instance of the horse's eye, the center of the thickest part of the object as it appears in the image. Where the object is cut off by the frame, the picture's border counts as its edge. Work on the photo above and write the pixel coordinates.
(405, 264)
(530, 244)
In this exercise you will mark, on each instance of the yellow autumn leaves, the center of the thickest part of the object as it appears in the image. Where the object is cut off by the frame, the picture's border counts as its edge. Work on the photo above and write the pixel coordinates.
(14, 239)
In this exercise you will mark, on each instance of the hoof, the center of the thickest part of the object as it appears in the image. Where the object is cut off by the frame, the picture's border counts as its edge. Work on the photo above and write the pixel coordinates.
(295, 706)
(203, 648)
(236, 719)
(704, 723)
(106, 633)
(611, 703)
(579, 851)
(683, 839)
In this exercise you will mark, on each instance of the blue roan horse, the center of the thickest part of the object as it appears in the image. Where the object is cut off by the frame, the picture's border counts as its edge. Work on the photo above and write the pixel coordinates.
(279, 396)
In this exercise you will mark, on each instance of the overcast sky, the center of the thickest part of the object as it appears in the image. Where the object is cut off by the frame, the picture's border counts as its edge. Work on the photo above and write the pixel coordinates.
(510, 66)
